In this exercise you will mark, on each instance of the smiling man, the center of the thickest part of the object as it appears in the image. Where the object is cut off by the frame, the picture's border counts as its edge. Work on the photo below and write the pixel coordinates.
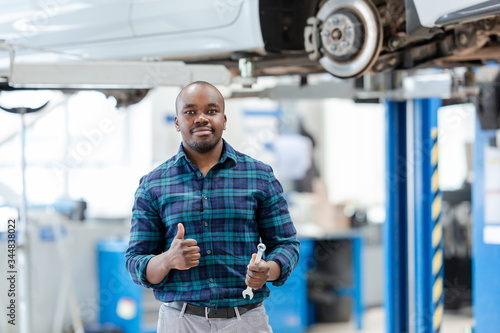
(196, 223)
(201, 120)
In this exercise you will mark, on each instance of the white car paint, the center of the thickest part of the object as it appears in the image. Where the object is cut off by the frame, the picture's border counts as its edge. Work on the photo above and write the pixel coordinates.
(56, 22)
(115, 29)
(429, 11)
(174, 16)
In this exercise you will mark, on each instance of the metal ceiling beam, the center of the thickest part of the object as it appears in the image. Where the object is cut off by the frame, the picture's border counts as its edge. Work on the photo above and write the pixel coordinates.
(114, 74)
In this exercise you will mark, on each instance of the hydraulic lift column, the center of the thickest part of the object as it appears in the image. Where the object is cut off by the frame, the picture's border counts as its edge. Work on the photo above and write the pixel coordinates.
(413, 233)
(486, 230)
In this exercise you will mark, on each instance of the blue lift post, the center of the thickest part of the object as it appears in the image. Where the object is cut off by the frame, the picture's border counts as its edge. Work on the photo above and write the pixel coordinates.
(413, 233)
(429, 299)
(486, 234)
(395, 229)
(358, 305)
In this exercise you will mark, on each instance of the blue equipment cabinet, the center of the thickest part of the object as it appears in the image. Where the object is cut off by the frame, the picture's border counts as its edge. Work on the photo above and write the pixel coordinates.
(120, 300)
(287, 307)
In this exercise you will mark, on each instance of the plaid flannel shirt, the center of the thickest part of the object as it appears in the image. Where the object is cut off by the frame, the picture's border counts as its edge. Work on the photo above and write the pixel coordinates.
(238, 204)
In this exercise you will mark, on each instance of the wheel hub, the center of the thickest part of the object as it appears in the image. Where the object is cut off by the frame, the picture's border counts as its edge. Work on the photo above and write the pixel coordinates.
(339, 33)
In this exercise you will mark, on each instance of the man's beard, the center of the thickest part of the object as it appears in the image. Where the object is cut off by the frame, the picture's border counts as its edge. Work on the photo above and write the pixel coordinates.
(202, 147)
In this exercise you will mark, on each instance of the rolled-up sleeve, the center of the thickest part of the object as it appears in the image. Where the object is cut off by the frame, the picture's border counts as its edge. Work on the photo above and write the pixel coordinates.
(277, 231)
(147, 236)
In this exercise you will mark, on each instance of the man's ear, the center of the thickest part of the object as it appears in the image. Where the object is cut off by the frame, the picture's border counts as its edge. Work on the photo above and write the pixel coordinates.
(176, 122)
(225, 121)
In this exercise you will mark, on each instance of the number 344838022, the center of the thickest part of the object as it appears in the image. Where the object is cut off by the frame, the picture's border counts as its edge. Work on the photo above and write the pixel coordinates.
(11, 244)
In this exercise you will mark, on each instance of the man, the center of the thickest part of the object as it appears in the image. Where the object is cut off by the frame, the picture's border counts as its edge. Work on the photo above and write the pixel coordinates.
(196, 223)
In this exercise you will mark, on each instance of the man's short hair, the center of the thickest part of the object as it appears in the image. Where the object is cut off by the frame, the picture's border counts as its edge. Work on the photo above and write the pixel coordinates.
(199, 83)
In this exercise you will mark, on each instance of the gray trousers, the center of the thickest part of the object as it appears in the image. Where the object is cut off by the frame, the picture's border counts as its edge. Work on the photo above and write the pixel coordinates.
(171, 320)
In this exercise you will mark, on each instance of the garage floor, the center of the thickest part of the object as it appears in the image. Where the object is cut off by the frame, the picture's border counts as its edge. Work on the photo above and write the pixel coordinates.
(453, 322)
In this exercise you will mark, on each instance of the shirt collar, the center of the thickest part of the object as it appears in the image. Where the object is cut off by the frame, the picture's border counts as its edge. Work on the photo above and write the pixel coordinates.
(228, 153)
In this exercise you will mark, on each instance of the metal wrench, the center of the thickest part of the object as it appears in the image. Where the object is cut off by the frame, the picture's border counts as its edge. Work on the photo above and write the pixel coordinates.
(260, 250)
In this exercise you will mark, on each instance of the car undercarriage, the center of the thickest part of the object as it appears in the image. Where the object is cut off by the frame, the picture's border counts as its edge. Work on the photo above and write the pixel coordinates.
(349, 38)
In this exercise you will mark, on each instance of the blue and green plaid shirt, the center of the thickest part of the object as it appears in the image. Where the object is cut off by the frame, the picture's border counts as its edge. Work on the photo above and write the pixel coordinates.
(238, 204)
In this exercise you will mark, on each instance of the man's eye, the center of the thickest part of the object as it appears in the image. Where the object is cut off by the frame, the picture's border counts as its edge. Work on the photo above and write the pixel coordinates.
(212, 111)
(189, 112)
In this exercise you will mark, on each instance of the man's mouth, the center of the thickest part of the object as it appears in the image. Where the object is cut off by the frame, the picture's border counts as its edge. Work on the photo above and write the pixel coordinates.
(202, 131)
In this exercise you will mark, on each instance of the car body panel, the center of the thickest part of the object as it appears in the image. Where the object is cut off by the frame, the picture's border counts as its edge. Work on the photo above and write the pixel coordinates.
(55, 23)
(472, 13)
(114, 29)
(173, 16)
(431, 11)
(212, 30)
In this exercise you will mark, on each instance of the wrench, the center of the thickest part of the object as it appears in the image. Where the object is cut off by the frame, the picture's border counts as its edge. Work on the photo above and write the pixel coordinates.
(260, 248)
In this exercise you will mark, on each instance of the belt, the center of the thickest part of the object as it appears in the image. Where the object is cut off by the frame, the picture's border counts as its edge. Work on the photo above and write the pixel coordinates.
(206, 312)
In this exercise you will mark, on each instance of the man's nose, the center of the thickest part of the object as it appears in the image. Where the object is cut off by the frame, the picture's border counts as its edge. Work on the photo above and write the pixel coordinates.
(201, 119)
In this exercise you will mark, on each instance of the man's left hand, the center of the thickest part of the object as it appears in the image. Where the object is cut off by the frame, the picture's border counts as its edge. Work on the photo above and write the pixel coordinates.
(257, 275)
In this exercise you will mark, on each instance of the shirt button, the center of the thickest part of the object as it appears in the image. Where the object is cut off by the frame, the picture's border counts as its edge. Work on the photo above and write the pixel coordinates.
(211, 280)
(205, 198)
(208, 251)
(205, 224)
(198, 174)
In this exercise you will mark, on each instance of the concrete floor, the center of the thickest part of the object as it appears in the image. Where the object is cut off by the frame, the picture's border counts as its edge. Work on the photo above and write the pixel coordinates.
(373, 322)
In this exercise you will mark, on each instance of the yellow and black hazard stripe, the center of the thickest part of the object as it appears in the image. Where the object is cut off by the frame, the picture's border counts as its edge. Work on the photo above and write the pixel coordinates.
(437, 238)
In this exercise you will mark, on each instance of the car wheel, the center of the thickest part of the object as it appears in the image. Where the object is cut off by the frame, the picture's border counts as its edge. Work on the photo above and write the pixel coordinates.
(350, 37)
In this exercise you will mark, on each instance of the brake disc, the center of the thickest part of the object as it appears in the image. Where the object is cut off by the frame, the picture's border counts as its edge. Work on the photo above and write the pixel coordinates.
(351, 36)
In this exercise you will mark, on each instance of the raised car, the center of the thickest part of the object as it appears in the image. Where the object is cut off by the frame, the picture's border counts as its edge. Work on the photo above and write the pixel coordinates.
(344, 37)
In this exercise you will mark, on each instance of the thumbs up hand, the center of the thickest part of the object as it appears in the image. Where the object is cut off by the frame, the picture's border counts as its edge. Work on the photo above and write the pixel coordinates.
(180, 231)
(183, 253)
